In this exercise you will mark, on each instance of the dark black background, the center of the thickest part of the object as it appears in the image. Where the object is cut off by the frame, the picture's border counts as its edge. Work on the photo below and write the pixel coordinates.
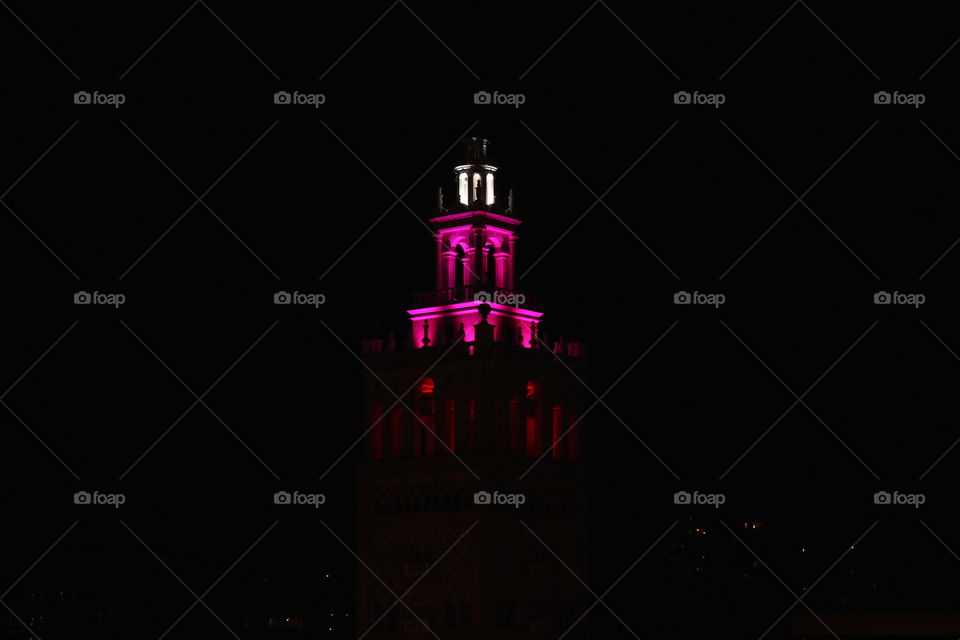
(397, 105)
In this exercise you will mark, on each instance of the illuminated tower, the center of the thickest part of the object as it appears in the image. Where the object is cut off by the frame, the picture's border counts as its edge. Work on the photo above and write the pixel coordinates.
(476, 244)
(488, 407)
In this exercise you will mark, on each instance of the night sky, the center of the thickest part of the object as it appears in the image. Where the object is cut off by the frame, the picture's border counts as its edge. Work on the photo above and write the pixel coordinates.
(798, 199)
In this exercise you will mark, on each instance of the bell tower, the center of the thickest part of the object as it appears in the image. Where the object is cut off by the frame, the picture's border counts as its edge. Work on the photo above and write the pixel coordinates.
(471, 474)
(476, 246)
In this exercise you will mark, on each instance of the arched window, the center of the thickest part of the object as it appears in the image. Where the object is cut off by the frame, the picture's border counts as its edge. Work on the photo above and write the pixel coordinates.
(534, 435)
(472, 425)
(556, 449)
(489, 266)
(533, 422)
(463, 188)
(461, 266)
(424, 442)
(489, 188)
(574, 438)
(476, 188)
(516, 429)
(376, 434)
(395, 437)
(449, 423)
(530, 391)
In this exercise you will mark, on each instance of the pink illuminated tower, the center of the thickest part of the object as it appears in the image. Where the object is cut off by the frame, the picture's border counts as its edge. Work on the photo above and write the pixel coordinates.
(476, 252)
(471, 475)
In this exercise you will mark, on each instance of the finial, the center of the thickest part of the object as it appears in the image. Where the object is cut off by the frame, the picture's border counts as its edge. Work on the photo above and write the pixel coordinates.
(426, 338)
(484, 310)
(439, 198)
(510, 200)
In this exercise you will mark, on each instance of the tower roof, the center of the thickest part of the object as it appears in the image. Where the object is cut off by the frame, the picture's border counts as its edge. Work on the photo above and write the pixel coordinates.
(476, 151)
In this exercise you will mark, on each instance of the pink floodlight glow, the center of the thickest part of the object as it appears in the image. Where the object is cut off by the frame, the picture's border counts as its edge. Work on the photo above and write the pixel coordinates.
(460, 308)
(469, 214)
(443, 318)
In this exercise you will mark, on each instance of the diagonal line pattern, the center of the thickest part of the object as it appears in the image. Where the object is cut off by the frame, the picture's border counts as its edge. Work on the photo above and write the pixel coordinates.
(397, 199)
(599, 199)
(24, 575)
(799, 599)
(818, 19)
(40, 40)
(199, 199)
(631, 31)
(218, 19)
(199, 599)
(599, 401)
(798, 399)
(17, 181)
(399, 599)
(400, 401)
(799, 199)
(199, 399)
(598, 599)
